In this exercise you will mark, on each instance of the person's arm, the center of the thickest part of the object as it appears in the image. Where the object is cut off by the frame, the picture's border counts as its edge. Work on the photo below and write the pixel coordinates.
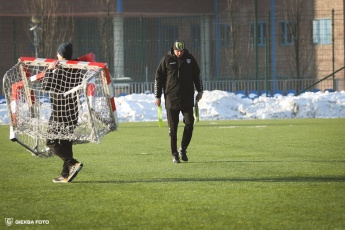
(199, 96)
(49, 77)
(159, 81)
(197, 80)
(40, 76)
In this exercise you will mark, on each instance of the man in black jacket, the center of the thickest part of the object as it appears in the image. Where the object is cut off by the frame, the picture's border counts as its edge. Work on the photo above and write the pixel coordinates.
(176, 76)
(64, 114)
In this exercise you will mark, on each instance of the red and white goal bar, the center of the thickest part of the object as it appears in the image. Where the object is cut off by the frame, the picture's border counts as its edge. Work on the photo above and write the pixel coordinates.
(79, 64)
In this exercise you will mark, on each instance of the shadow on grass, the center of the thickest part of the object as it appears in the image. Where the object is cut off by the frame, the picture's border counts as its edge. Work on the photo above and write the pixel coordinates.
(267, 161)
(173, 180)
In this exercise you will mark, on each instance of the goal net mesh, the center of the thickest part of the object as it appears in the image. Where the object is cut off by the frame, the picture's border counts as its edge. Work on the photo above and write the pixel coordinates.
(73, 102)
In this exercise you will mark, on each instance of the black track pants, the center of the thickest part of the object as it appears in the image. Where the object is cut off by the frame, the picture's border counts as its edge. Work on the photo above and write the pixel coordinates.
(173, 121)
(63, 149)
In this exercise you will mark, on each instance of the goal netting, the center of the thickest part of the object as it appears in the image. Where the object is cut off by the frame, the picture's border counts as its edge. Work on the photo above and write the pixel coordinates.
(74, 101)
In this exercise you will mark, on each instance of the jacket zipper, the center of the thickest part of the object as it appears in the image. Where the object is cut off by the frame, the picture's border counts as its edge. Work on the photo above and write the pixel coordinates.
(178, 69)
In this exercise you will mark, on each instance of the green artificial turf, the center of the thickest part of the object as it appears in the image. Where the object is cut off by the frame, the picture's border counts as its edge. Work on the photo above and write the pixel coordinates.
(242, 174)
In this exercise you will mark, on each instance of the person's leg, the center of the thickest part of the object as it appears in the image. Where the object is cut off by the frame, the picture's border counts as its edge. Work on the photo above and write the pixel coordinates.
(56, 147)
(173, 120)
(73, 165)
(66, 152)
(63, 149)
(188, 120)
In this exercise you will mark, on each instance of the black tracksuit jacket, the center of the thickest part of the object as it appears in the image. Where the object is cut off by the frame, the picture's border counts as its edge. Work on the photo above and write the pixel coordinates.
(176, 78)
(64, 115)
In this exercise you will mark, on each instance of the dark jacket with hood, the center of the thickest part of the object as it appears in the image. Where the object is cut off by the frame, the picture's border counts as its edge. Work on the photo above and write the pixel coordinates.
(176, 78)
(64, 114)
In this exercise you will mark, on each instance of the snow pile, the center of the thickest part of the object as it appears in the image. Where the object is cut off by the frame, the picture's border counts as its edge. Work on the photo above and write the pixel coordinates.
(221, 105)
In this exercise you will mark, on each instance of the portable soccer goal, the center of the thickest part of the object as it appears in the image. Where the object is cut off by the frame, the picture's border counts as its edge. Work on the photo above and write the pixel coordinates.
(79, 106)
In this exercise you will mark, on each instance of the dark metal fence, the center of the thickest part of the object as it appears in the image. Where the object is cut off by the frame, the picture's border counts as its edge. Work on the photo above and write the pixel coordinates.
(246, 86)
(235, 50)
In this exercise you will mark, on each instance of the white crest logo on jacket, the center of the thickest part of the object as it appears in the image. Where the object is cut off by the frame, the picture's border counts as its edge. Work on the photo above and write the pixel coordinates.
(189, 61)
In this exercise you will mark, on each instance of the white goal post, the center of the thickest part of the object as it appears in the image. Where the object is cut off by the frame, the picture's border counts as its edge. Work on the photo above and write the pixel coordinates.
(73, 102)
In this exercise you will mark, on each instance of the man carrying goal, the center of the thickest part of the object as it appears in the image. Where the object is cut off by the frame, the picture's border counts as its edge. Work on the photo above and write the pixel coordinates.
(64, 111)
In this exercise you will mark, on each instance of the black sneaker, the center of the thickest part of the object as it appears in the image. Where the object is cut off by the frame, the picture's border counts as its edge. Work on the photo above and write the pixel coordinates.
(60, 179)
(176, 159)
(183, 155)
(74, 170)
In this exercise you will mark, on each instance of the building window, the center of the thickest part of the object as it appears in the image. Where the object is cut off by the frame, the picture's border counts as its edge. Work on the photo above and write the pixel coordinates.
(322, 31)
(260, 33)
(225, 35)
(287, 30)
(196, 35)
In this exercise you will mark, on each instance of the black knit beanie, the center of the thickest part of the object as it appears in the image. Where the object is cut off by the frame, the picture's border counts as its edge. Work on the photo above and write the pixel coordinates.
(65, 50)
